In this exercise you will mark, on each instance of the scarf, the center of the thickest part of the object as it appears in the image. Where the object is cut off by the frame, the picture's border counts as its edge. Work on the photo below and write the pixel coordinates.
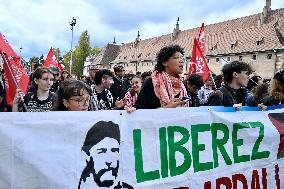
(167, 87)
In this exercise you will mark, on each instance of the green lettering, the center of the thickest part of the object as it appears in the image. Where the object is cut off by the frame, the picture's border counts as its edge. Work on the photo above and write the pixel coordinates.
(177, 147)
(196, 148)
(141, 176)
(281, 154)
(219, 143)
(238, 142)
(163, 152)
(255, 153)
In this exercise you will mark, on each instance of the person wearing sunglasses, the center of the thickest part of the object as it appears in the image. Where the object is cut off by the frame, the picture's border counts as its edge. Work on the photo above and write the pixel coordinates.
(73, 95)
(41, 99)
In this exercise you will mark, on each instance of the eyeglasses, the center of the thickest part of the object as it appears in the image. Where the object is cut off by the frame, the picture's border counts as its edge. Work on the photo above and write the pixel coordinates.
(81, 101)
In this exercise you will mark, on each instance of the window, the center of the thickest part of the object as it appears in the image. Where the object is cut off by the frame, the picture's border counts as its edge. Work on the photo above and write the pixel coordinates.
(217, 59)
(228, 58)
(240, 58)
(269, 56)
(254, 57)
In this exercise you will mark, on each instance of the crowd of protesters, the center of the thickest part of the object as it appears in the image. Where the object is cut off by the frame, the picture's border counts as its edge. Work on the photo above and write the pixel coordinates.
(163, 88)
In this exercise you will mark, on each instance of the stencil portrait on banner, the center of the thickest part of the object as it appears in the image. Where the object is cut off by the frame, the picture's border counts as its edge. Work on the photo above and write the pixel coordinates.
(101, 149)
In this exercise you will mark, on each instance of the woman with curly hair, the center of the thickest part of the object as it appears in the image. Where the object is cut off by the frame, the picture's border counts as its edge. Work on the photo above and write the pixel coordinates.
(276, 90)
(164, 88)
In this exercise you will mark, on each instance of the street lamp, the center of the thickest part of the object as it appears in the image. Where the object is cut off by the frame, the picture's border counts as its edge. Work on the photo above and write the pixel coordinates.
(72, 24)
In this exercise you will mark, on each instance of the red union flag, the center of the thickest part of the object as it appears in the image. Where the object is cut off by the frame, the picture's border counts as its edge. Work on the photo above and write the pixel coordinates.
(60, 66)
(50, 59)
(5, 47)
(201, 39)
(199, 64)
(18, 72)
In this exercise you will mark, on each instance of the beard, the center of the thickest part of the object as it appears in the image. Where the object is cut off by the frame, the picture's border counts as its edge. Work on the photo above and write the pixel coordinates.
(100, 173)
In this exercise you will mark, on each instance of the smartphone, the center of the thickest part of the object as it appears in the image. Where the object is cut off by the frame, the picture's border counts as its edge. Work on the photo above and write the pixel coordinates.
(185, 98)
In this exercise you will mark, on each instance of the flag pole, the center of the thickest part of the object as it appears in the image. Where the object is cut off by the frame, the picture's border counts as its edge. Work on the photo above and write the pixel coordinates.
(13, 79)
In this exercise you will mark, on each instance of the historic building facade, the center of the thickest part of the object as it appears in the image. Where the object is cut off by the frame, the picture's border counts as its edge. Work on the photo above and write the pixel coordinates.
(256, 39)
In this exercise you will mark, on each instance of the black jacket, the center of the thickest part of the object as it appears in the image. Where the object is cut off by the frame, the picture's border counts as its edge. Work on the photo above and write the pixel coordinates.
(225, 96)
(118, 88)
(147, 98)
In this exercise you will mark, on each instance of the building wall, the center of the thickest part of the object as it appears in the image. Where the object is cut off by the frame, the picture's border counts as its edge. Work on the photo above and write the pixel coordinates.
(262, 65)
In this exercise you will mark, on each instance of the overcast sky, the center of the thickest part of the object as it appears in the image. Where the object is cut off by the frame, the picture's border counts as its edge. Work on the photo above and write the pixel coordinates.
(37, 25)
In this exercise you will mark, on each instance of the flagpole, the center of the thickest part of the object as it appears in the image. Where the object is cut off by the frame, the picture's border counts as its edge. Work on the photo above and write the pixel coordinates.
(13, 79)
(72, 24)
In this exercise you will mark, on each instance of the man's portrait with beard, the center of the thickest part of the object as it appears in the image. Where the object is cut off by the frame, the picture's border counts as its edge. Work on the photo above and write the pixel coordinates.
(101, 147)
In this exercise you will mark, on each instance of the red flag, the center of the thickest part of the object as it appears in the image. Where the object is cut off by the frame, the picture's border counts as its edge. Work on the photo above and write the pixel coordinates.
(17, 70)
(50, 60)
(60, 66)
(198, 60)
(5, 47)
(201, 39)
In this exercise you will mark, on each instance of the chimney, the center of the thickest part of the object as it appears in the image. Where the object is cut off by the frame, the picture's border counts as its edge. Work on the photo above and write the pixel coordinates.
(176, 30)
(266, 12)
(114, 42)
(177, 25)
(137, 39)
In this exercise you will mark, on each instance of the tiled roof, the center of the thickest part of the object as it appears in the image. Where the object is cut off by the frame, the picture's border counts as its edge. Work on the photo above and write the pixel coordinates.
(240, 35)
(107, 55)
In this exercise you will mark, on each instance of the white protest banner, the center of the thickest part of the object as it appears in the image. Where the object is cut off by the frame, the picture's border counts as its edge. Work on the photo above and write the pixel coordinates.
(164, 148)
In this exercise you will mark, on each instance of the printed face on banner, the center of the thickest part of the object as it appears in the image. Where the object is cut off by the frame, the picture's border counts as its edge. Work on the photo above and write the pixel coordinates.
(105, 156)
(101, 148)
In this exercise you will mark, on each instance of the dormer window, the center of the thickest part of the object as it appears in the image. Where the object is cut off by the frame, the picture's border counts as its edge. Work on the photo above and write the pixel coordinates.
(259, 41)
(214, 47)
(234, 44)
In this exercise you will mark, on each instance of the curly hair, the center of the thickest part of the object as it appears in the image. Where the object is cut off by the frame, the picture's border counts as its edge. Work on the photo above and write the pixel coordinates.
(276, 89)
(260, 90)
(165, 54)
(235, 66)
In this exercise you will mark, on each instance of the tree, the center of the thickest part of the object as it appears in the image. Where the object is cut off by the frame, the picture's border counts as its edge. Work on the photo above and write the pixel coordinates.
(56, 52)
(82, 51)
(34, 60)
(66, 59)
(95, 51)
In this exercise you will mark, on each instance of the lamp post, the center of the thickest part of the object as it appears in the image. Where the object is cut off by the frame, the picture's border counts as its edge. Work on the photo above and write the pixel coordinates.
(72, 24)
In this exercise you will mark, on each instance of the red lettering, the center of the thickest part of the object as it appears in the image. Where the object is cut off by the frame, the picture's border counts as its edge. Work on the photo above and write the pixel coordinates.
(207, 185)
(224, 181)
(242, 179)
(264, 179)
(277, 178)
(255, 180)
